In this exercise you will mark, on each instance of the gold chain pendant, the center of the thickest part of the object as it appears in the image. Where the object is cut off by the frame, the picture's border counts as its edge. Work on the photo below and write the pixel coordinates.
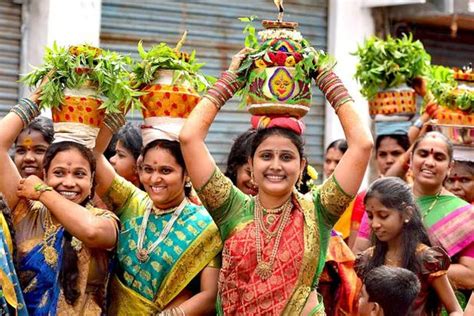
(142, 255)
(50, 255)
(264, 270)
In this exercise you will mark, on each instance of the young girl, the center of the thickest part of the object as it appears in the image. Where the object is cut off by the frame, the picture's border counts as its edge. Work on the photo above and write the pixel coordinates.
(400, 239)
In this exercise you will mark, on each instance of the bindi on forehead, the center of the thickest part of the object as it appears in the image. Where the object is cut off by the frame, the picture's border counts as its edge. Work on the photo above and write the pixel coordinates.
(27, 142)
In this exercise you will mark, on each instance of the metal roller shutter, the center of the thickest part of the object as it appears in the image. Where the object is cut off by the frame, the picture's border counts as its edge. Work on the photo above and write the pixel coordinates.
(10, 39)
(216, 34)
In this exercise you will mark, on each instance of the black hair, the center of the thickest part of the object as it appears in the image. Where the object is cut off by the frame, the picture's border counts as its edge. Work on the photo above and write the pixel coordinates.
(42, 125)
(110, 150)
(339, 144)
(394, 193)
(264, 133)
(468, 165)
(239, 154)
(69, 273)
(393, 288)
(401, 139)
(436, 134)
(131, 138)
(174, 148)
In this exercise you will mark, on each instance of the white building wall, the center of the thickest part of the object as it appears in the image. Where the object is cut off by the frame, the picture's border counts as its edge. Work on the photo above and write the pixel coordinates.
(66, 22)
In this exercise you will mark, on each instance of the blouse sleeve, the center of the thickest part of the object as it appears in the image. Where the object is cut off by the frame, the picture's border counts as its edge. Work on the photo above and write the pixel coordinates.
(434, 262)
(331, 200)
(225, 202)
(120, 194)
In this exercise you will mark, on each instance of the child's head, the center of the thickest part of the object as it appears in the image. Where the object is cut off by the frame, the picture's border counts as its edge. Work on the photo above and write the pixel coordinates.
(388, 291)
(394, 216)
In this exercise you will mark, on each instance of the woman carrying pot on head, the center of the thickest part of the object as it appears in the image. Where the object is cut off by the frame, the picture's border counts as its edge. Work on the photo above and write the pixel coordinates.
(275, 242)
(62, 241)
(167, 253)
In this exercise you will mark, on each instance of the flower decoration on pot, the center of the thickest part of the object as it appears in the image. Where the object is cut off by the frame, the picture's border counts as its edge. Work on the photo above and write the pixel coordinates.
(84, 83)
(170, 81)
(385, 71)
(278, 73)
(453, 90)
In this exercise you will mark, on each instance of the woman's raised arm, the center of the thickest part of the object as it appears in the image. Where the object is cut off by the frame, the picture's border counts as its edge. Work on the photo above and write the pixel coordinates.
(10, 127)
(199, 163)
(350, 170)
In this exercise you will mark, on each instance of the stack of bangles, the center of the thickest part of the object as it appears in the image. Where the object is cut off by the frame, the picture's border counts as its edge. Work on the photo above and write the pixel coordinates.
(114, 121)
(333, 88)
(223, 89)
(27, 110)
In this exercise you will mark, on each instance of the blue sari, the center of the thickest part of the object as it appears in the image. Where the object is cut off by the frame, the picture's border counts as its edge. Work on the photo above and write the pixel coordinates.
(43, 262)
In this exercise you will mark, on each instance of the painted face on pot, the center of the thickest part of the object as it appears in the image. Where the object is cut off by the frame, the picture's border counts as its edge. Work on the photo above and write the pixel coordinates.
(430, 162)
(276, 165)
(70, 175)
(244, 180)
(163, 178)
(29, 153)
(460, 182)
(281, 84)
(124, 163)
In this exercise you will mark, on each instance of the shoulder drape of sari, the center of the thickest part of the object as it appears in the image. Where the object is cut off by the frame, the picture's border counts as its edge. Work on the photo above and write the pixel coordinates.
(11, 297)
(192, 244)
(299, 262)
(40, 264)
(450, 221)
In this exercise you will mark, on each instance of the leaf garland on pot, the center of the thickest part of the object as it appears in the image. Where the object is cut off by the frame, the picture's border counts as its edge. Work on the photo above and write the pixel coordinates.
(385, 64)
(161, 57)
(447, 91)
(283, 58)
(84, 65)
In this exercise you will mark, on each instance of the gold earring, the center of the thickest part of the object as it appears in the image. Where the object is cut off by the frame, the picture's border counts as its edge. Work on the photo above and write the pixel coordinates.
(300, 181)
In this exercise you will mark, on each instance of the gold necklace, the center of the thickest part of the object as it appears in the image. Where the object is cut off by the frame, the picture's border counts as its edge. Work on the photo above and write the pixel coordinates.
(271, 216)
(432, 204)
(265, 268)
(49, 238)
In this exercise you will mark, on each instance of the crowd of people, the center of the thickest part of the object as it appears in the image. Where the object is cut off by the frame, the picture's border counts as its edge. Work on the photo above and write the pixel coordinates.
(155, 227)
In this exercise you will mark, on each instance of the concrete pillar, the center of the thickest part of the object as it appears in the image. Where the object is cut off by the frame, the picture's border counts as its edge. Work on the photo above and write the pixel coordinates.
(349, 25)
(66, 22)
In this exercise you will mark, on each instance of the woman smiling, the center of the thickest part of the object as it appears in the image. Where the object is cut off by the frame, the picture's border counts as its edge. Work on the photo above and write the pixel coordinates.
(62, 240)
(275, 242)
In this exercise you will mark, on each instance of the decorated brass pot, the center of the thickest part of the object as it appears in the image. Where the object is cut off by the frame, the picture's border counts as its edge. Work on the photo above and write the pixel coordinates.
(274, 88)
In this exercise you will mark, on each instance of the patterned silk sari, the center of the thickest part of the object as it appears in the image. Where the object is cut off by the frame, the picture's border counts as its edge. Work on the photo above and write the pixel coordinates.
(191, 245)
(40, 259)
(11, 297)
(300, 256)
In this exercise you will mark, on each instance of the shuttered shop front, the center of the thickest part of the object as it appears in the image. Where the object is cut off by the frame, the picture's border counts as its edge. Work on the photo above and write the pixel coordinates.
(215, 32)
(10, 39)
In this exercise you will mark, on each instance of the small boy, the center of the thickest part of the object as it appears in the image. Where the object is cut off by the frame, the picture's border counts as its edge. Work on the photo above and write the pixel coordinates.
(388, 291)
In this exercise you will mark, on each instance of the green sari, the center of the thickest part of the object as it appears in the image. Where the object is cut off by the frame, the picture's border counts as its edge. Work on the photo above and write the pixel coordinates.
(191, 245)
(300, 256)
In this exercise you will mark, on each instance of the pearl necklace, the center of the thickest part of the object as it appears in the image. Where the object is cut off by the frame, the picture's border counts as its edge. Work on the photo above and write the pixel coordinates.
(265, 268)
(144, 254)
